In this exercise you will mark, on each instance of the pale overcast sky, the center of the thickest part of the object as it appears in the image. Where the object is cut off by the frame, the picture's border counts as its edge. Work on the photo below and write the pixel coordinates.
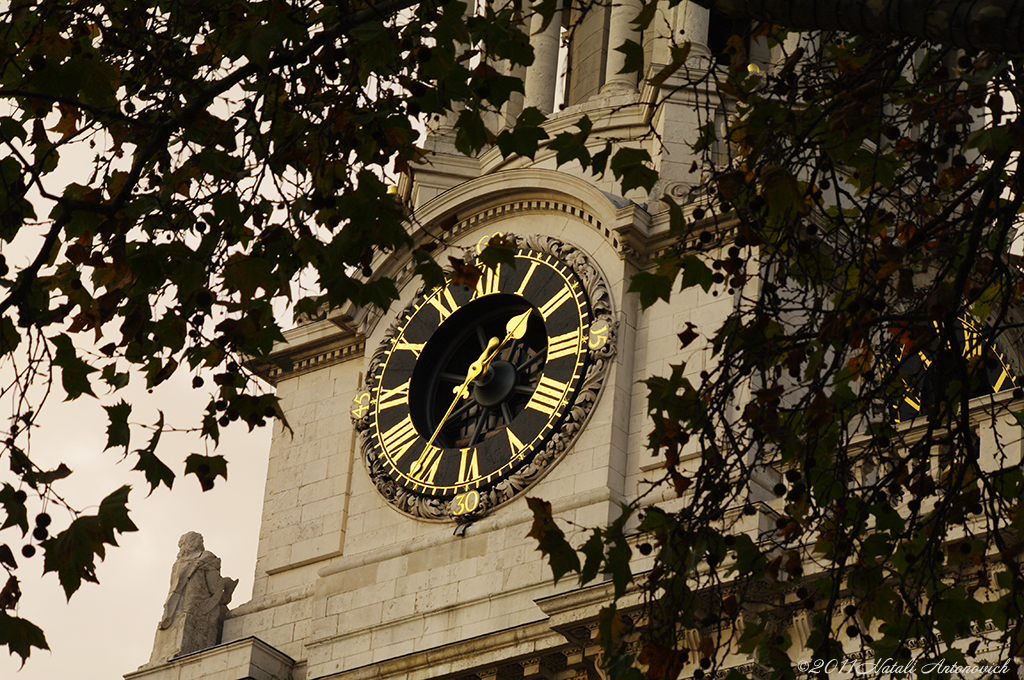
(107, 630)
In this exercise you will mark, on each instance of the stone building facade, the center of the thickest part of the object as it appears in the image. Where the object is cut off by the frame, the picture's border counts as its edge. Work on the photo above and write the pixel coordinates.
(350, 587)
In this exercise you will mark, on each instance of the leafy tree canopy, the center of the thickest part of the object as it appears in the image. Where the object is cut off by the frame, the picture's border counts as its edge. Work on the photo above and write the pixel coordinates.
(868, 186)
(226, 158)
(844, 460)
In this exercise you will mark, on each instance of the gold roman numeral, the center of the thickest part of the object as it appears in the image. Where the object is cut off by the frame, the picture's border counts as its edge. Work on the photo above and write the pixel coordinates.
(395, 396)
(563, 345)
(547, 396)
(469, 468)
(425, 467)
(488, 283)
(414, 347)
(526, 279)
(554, 303)
(514, 443)
(444, 303)
(399, 439)
(999, 383)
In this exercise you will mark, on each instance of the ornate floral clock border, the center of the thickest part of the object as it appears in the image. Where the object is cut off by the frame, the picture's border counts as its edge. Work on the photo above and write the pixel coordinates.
(600, 358)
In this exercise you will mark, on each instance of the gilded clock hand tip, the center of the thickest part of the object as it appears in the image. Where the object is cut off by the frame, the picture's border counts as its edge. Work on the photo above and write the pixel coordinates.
(515, 328)
(517, 325)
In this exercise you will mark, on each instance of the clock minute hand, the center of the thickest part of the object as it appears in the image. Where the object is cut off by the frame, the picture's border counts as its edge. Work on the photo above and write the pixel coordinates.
(515, 328)
(461, 392)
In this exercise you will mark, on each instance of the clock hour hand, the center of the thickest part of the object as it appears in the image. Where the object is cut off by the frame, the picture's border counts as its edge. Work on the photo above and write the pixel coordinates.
(476, 369)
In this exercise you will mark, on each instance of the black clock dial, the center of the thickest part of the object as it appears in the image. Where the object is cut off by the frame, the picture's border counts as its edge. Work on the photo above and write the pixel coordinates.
(497, 396)
(474, 382)
(925, 379)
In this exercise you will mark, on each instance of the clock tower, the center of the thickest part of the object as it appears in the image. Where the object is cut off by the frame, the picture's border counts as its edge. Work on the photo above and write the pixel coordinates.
(394, 528)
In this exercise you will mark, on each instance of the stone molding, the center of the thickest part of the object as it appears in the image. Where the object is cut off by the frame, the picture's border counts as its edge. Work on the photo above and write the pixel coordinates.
(352, 350)
(246, 659)
(463, 208)
(537, 653)
(306, 358)
(621, 223)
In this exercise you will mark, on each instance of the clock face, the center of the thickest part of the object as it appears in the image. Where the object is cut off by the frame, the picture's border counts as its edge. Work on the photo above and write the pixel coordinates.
(926, 380)
(473, 384)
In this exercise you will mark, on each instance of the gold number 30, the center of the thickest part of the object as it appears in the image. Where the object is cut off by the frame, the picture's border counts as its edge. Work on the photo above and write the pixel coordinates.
(465, 502)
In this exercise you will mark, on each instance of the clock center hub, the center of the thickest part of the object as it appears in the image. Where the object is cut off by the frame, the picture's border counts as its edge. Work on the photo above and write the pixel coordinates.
(496, 385)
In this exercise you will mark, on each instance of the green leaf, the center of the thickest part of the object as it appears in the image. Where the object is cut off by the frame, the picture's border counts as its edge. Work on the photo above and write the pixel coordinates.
(782, 192)
(158, 371)
(11, 129)
(71, 554)
(634, 56)
(427, 269)
(599, 161)
(696, 273)
(113, 378)
(17, 513)
(593, 549)
(155, 470)
(51, 476)
(379, 292)
(617, 566)
(631, 168)
(471, 134)
(992, 142)
(494, 87)
(573, 146)
(206, 469)
(74, 371)
(551, 540)
(150, 465)
(113, 515)
(118, 432)
(706, 137)
(652, 287)
(20, 636)
(45, 153)
(7, 559)
(524, 139)
(499, 250)
(261, 42)
(210, 427)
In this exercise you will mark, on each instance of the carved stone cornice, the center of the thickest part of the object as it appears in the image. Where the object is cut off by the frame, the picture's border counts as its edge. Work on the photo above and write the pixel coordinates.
(310, 347)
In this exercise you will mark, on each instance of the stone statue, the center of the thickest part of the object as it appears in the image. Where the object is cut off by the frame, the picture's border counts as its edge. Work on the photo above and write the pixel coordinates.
(196, 604)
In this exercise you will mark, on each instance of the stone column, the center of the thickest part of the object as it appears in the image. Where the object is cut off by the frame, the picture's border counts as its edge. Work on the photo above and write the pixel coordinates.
(658, 36)
(514, 106)
(692, 21)
(619, 31)
(542, 75)
(448, 123)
